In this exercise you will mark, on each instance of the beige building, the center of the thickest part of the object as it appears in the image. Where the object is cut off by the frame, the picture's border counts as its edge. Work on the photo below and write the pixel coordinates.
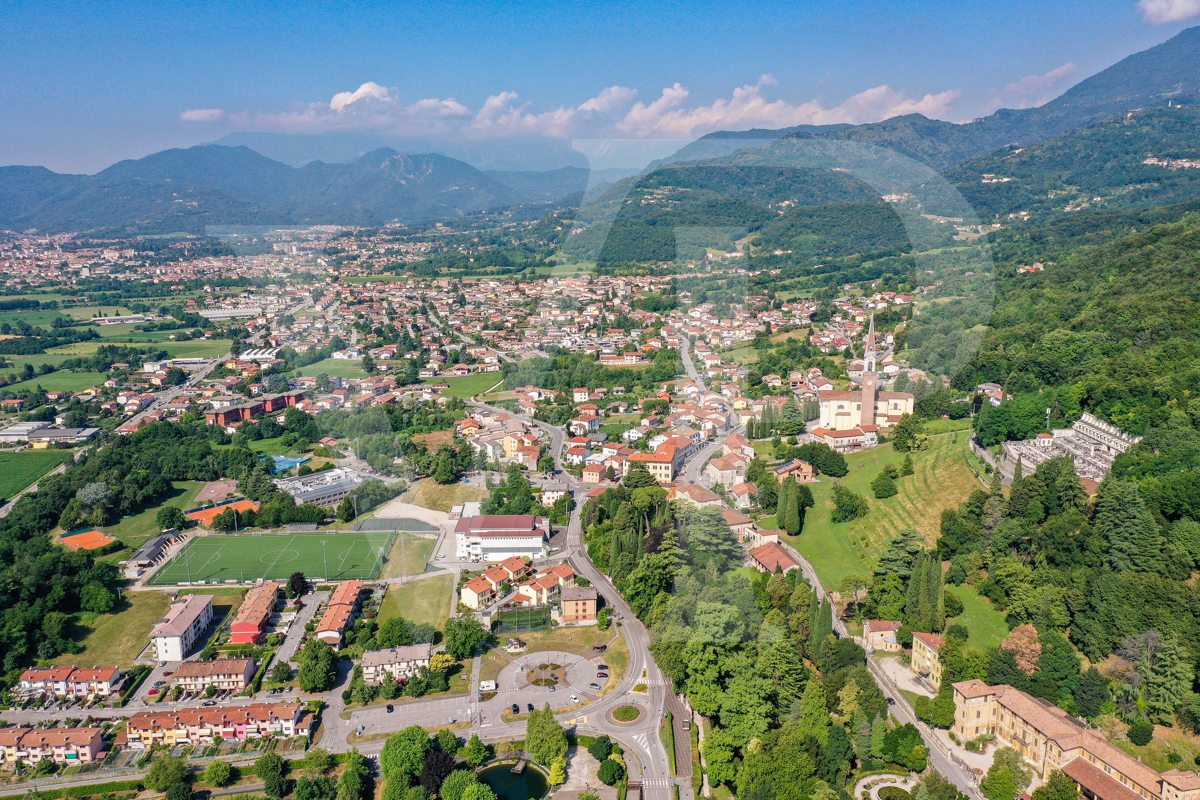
(61, 745)
(187, 619)
(578, 604)
(880, 634)
(398, 662)
(1049, 739)
(223, 673)
(925, 660)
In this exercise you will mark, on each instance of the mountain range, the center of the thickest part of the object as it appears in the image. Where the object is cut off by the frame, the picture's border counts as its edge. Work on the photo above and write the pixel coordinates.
(270, 179)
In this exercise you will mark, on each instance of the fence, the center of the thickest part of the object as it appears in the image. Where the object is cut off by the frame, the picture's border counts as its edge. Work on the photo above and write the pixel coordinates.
(394, 524)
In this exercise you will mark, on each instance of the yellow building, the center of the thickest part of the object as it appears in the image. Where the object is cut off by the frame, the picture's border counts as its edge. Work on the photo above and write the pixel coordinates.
(1049, 739)
(925, 659)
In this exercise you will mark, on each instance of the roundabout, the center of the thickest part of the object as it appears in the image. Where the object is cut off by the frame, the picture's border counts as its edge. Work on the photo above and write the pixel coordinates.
(625, 715)
(549, 676)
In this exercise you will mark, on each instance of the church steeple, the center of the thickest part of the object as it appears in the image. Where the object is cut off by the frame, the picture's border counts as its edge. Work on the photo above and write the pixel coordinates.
(869, 357)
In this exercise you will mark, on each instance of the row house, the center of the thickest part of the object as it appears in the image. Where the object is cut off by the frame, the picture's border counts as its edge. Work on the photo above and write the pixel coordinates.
(70, 681)
(232, 674)
(540, 589)
(202, 725)
(482, 591)
(340, 613)
(254, 614)
(60, 745)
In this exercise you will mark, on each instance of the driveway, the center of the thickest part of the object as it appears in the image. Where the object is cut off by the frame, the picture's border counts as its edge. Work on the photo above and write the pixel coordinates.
(291, 643)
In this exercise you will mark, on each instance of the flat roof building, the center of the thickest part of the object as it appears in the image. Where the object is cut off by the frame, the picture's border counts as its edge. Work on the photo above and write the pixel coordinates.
(324, 488)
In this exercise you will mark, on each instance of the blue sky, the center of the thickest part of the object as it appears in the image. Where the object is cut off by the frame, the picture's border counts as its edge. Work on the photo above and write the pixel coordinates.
(88, 83)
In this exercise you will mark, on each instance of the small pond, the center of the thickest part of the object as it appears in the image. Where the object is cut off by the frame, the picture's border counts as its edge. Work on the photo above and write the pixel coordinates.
(529, 785)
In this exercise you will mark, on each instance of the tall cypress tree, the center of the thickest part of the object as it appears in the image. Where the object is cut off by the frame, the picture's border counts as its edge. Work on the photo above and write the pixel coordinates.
(791, 520)
(783, 502)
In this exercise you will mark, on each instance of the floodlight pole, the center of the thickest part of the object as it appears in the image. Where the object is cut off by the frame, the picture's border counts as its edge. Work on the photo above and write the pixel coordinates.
(326, 560)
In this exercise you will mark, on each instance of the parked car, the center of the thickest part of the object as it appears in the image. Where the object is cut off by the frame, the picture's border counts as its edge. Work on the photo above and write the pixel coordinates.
(602, 667)
(551, 688)
(593, 686)
(601, 674)
(390, 708)
(516, 708)
(530, 707)
(574, 699)
(168, 674)
(209, 703)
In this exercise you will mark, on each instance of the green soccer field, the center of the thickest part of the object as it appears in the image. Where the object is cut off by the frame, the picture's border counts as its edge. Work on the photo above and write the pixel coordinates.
(275, 556)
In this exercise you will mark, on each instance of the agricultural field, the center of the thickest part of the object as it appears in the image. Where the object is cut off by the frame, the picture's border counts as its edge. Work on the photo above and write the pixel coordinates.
(468, 385)
(275, 556)
(942, 480)
(19, 470)
(118, 638)
(63, 381)
(193, 348)
(427, 600)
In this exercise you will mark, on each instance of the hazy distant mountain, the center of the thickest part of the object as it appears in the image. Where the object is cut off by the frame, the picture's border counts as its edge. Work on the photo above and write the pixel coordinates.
(184, 190)
(515, 153)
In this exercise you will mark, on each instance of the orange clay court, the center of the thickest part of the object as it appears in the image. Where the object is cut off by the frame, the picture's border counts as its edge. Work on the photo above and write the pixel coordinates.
(205, 517)
(88, 540)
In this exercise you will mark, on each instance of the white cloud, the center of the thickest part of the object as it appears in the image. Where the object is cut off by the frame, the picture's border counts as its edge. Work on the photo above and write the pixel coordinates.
(1032, 90)
(204, 115)
(748, 108)
(1160, 12)
(370, 89)
(614, 111)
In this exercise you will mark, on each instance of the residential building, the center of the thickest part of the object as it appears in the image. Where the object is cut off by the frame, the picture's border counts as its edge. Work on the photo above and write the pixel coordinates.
(398, 662)
(579, 604)
(254, 614)
(70, 681)
(767, 557)
(880, 634)
(594, 473)
(925, 661)
(186, 621)
(499, 537)
(224, 673)
(340, 614)
(477, 593)
(660, 465)
(1049, 739)
(201, 725)
(61, 745)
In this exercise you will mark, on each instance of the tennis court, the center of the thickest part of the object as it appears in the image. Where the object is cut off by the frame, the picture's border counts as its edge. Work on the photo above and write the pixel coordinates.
(275, 556)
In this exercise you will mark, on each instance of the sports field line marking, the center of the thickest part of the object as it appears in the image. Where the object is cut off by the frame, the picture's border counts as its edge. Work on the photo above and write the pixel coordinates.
(281, 552)
(182, 558)
(345, 555)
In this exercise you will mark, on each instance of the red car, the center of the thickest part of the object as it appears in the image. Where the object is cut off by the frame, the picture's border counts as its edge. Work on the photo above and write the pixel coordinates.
(152, 691)
(166, 674)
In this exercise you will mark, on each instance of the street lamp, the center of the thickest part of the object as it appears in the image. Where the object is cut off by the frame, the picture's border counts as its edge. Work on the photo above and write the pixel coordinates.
(324, 559)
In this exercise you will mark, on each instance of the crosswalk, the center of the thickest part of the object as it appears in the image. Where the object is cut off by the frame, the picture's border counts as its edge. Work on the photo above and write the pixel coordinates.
(658, 783)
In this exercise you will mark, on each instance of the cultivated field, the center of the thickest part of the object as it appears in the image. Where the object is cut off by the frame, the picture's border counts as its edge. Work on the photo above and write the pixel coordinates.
(19, 470)
(275, 556)
(942, 480)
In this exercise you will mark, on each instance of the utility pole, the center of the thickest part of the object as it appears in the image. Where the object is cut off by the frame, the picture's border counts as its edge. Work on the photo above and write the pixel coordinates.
(326, 560)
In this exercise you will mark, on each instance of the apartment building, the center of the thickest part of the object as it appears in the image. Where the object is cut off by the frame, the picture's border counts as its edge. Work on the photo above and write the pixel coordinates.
(187, 619)
(254, 614)
(340, 613)
(224, 673)
(398, 662)
(1049, 739)
(925, 660)
(61, 745)
(193, 725)
(70, 681)
(579, 604)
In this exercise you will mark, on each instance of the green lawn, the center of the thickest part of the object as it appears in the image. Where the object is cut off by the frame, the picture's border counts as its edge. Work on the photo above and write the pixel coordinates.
(985, 624)
(468, 385)
(939, 425)
(409, 556)
(136, 530)
(439, 497)
(426, 600)
(942, 480)
(19, 470)
(117, 638)
(246, 557)
(64, 381)
(334, 368)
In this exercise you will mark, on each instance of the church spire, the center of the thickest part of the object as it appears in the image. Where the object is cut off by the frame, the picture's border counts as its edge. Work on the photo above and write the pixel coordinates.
(869, 357)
